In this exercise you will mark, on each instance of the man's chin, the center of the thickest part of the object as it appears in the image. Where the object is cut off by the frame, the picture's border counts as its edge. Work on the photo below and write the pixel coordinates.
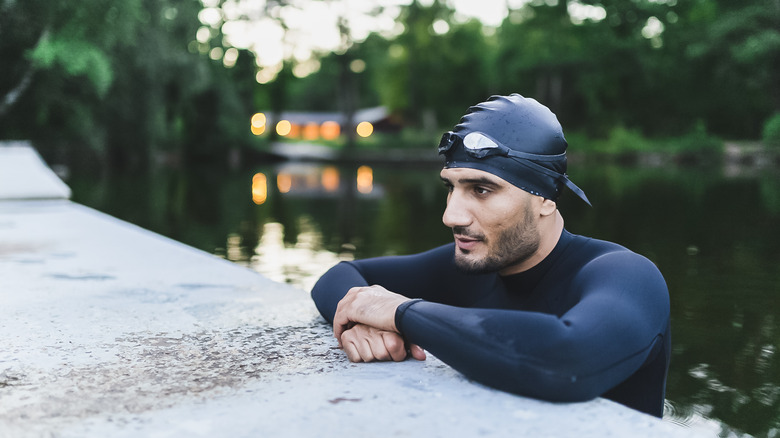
(471, 264)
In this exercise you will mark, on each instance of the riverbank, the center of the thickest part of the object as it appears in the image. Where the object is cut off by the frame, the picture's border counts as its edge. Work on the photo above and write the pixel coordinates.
(623, 147)
(111, 330)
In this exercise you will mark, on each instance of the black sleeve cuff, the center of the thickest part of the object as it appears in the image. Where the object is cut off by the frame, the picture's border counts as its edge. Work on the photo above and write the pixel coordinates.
(399, 312)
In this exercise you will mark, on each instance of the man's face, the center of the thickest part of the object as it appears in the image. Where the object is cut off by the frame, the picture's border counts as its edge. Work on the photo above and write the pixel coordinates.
(494, 223)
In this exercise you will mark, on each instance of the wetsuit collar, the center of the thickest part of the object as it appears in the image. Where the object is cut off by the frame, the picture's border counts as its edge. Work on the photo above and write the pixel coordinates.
(527, 280)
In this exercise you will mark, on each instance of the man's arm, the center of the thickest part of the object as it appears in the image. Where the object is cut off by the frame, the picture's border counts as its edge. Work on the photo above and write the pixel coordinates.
(361, 342)
(619, 321)
(430, 275)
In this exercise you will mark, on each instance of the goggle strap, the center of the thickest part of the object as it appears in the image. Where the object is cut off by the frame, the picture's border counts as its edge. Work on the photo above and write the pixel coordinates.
(562, 177)
(537, 157)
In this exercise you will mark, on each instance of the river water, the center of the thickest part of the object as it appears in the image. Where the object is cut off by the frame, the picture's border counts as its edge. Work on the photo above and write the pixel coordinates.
(714, 232)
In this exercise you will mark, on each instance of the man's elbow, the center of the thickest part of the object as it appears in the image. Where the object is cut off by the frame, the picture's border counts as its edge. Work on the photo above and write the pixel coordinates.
(555, 381)
(555, 387)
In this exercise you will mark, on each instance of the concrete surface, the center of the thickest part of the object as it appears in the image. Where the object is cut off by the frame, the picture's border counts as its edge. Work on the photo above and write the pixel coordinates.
(23, 176)
(108, 330)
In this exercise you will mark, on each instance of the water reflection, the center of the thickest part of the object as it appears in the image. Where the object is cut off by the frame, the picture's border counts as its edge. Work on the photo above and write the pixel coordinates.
(259, 188)
(715, 236)
(300, 263)
(301, 179)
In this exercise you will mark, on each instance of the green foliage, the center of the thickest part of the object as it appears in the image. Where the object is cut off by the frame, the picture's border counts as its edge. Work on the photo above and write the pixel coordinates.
(115, 81)
(622, 139)
(76, 57)
(696, 142)
(771, 134)
(126, 80)
(627, 143)
(430, 77)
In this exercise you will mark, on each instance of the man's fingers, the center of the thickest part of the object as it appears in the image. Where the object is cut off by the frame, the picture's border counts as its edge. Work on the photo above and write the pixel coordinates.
(417, 352)
(357, 350)
(351, 351)
(339, 324)
(358, 346)
(362, 343)
(394, 345)
(378, 350)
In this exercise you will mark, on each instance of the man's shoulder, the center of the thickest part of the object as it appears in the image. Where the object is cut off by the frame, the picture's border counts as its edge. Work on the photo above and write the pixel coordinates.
(591, 245)
(602, 254)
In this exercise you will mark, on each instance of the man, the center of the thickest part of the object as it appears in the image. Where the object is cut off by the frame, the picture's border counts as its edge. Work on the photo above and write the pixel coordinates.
(516, 302)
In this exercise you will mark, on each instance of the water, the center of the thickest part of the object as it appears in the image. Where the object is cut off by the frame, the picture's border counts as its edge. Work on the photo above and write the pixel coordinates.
(713, 233)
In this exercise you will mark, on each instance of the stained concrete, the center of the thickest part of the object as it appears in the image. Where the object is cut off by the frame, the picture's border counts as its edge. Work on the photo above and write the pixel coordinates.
(107, 329)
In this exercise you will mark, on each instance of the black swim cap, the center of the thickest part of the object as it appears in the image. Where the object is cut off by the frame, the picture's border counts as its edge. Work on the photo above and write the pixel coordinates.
(515, 138)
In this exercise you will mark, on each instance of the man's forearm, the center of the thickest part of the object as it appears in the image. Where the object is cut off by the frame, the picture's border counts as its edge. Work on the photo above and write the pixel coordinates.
(373, 306)
(333, 286)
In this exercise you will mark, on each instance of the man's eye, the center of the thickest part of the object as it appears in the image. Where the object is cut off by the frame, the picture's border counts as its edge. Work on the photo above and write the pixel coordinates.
(481, 190)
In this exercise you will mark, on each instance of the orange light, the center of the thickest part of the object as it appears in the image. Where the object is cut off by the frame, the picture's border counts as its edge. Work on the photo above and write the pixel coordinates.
(258, 120)
(365, 179)
(311, 131)
(364, 129)
(258, 130)
(330, 130)
(259, 188)
(283, 128)
(295, 130)
(330, 179)
(284, 182)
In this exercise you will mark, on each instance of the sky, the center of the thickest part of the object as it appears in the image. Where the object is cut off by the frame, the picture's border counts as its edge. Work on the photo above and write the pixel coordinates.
(313, 26)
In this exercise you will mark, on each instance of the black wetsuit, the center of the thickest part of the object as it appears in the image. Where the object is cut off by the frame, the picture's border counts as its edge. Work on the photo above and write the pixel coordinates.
(592, 319)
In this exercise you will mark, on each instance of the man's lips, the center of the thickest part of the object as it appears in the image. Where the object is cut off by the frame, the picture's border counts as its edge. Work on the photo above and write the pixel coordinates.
(466, 243)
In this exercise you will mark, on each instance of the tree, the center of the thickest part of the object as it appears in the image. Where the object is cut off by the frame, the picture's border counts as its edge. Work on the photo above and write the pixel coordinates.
(123, 82)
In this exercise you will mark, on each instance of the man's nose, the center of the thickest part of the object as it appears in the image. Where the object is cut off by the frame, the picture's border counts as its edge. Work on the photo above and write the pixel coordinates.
(456, 214)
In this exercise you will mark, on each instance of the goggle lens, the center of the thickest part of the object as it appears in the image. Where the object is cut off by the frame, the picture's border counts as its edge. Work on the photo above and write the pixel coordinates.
(476, 144)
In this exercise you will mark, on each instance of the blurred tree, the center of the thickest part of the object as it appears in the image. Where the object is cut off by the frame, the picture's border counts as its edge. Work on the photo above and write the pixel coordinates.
(142, 81)
(731, 50)
(661, 67)
(435, 68)
(118, 81)
(38, 35)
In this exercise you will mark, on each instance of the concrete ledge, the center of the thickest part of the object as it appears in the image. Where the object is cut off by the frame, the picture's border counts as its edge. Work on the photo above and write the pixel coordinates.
(24, 176)
(110, 330)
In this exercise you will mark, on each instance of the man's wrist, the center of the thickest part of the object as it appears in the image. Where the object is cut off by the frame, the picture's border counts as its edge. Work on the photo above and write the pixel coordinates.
(401, 309)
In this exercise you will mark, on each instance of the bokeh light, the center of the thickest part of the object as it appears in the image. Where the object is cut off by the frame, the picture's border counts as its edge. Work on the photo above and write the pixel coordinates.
(311, 131)
(283, 128)
(330, 130)
(295, 130)
(259, 188)
(365, 179)
(364, 129)
(258, 120)
(284, 182)
(258, 123)
(330, 179)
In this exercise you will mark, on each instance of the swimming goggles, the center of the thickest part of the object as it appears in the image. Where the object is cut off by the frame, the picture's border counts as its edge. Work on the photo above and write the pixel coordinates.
(479, 145)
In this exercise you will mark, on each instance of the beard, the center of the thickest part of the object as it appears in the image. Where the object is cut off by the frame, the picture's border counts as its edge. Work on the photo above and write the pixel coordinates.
(510, 247)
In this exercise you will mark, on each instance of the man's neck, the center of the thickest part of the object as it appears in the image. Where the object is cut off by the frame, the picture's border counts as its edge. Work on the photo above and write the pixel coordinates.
(550, 233)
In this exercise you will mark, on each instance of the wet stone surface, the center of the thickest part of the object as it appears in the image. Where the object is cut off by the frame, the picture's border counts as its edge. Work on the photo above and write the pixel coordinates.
(152, 371)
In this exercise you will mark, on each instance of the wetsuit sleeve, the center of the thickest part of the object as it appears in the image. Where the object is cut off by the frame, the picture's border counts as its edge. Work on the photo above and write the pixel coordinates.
(430, 275)
(617, 322)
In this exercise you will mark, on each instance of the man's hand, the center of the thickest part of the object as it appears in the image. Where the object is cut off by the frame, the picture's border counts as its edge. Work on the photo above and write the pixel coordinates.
(370, 305)
(363, 343)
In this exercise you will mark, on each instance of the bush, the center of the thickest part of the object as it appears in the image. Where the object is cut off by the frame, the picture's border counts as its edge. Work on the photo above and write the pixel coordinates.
(771, 132)
(696, 142)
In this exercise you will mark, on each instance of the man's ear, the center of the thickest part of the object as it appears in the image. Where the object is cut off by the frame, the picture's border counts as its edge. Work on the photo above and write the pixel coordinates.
(548, 207)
